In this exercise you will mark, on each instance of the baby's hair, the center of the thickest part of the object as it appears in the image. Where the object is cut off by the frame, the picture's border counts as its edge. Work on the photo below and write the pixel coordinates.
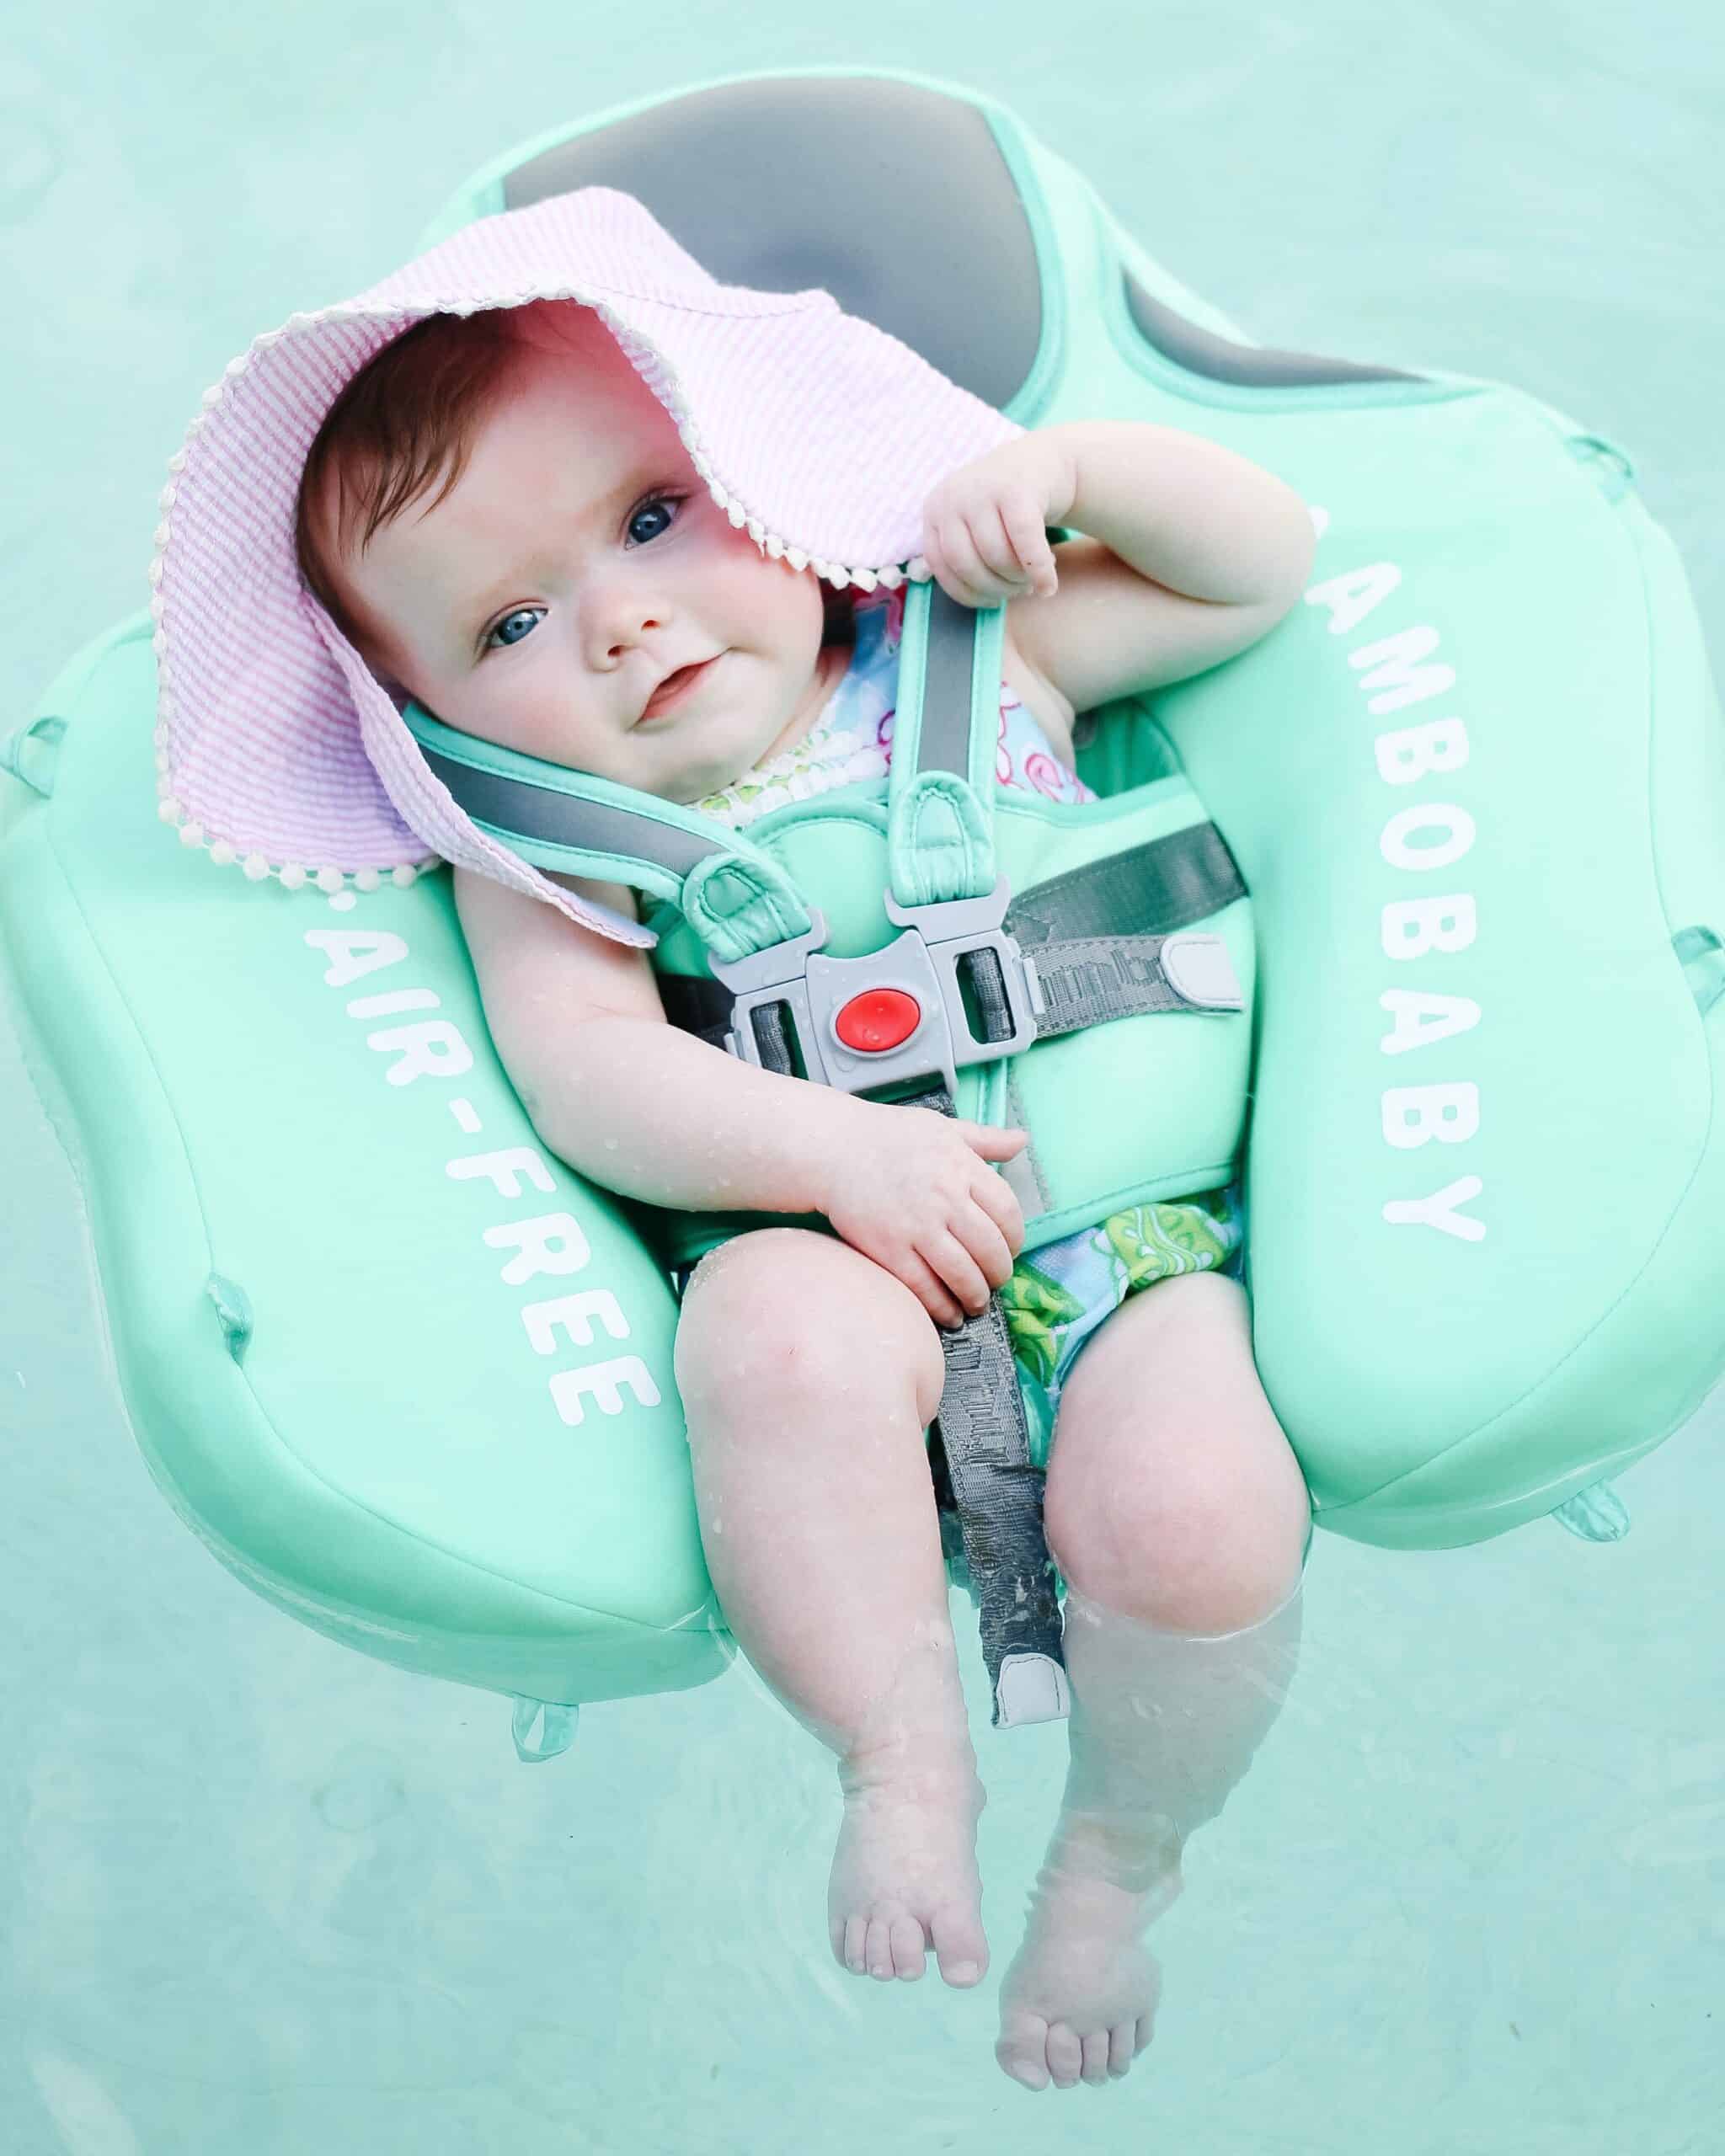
(409, 414)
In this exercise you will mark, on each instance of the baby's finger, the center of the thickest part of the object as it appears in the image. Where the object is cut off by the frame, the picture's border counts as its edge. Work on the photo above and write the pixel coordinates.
(934, 560)
(986, 1241)
(954, 1264)
(932, 1293)
(1022, 519)
(996, 1197)
(954, 563)
(994, 1142)
(996, 551)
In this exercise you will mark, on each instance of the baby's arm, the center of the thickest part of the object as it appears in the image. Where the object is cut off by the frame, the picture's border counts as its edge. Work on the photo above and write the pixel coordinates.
(642, 1108)
(1193, 553)
(629, 1100)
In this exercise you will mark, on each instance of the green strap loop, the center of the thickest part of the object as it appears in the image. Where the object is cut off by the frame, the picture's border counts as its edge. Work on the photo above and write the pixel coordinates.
(736, 910)
(556, 1724)
(48, 731)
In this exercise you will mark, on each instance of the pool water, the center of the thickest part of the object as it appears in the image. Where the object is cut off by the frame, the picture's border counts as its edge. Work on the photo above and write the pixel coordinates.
(259, 1893)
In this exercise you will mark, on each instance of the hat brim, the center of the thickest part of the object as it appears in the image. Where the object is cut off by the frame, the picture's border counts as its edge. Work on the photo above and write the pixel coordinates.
(818, 433)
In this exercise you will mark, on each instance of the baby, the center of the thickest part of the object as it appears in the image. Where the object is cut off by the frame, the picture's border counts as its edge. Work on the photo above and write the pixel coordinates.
(504, 520)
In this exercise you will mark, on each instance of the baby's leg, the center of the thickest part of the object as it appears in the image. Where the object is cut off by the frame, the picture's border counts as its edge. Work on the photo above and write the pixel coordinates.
(809, 1374)
(1179, 1515)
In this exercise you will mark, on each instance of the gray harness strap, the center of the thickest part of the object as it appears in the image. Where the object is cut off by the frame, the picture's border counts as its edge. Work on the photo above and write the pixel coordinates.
(997, 1491)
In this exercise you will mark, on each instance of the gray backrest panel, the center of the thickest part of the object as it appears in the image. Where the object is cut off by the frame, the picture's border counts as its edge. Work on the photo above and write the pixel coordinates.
(894, 197)
(1201, 351)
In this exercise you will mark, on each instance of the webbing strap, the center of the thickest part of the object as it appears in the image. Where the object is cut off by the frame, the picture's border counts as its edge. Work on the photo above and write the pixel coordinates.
(997, 1489)
(1147, 890)
(997, 1493)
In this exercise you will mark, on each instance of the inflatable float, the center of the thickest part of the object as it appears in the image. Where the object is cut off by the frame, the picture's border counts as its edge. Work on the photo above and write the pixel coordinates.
(1473, 785)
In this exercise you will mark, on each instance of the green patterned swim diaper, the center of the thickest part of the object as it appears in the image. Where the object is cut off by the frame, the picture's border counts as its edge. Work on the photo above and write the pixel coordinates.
(1059, 1294)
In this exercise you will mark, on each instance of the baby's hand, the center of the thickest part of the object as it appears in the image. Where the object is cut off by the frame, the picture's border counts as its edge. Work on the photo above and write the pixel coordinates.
(913, 1190)
(983, 534)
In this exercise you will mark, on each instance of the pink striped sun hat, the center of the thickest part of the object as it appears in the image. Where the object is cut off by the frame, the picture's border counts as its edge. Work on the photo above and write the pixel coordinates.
(277, 749)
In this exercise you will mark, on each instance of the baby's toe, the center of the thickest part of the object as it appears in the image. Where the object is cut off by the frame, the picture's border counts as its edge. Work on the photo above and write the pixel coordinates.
(1095, 2068)
(1023, 2048)
(1066, 2055)
(907, 1947)
(958, 1942)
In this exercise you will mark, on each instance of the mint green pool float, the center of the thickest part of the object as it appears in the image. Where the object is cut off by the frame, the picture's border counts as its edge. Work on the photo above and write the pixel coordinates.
(1475, 786)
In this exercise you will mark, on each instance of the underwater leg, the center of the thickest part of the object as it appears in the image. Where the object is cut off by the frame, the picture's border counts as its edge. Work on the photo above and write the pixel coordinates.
(809, 1375)
(1179, 1518)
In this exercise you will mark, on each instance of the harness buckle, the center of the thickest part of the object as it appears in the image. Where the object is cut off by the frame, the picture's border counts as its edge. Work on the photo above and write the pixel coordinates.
(922, 963)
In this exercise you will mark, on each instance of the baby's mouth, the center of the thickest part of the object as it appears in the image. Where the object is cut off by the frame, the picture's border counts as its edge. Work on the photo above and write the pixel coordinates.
(675, 687)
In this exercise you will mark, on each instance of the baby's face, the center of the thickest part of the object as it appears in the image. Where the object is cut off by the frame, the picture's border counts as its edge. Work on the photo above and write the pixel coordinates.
(577, 562)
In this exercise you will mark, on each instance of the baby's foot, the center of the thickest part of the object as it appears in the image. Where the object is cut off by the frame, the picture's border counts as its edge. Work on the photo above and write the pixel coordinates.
(904, 1874)
(1079, 2000)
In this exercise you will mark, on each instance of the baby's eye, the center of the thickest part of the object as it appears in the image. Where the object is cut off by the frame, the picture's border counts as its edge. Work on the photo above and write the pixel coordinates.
(651, 507)
(530, 615)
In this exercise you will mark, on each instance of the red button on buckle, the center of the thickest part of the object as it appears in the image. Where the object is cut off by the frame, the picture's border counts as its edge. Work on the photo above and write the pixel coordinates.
(878, 1019)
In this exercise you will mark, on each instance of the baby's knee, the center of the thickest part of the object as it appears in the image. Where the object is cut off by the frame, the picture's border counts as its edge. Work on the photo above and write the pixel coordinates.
(1192, 1567)
(740, 1321)
(787, 1315)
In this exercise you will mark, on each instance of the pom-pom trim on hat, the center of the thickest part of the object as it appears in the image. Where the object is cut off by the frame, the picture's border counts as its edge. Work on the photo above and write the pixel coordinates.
(649, 362)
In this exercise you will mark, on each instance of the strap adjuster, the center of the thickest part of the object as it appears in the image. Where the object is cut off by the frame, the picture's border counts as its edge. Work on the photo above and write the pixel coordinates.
(923, 963)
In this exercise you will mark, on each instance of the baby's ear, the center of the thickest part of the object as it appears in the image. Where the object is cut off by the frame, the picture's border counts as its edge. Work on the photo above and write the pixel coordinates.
(838, 615)
(377, 666)
(392, 686)
(399, 694)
